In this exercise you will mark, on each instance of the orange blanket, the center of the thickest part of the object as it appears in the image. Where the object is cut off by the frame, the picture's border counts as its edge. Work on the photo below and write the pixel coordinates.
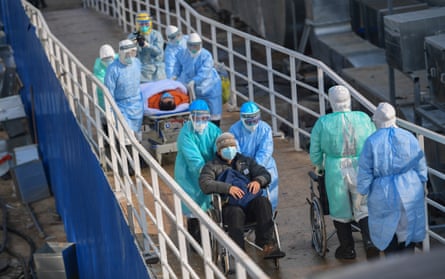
(179, 96)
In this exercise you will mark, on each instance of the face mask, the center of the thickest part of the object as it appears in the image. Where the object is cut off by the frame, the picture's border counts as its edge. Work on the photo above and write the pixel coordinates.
(194, 53)
(144, 29)
(194, 50)
(128, 60)
(174, 39)
(251, 128)
(107, 61)
(200, 126)
(228, 153)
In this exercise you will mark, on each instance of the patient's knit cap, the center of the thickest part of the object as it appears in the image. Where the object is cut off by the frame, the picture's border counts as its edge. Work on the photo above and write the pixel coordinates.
(224, 140)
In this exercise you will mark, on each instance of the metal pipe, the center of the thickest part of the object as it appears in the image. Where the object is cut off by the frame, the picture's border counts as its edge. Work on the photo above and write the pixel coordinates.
(35, 221)
(392, 87)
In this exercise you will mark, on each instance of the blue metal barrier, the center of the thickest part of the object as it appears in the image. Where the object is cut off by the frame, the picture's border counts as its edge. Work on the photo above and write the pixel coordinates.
(91, 214)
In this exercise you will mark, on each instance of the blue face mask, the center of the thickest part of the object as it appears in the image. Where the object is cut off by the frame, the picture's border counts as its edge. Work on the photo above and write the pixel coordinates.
(128, 60)
(228, 153)
(144, 29)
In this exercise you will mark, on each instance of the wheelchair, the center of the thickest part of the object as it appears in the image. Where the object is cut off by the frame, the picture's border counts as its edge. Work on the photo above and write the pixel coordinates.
(319, 207)
(220, 255)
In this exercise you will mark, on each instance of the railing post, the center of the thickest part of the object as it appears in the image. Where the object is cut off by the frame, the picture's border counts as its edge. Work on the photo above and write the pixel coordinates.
(294, 105)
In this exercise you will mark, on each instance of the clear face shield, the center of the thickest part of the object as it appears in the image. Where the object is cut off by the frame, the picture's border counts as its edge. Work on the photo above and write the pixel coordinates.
(127, 53)
(250, 121)
(174, 38)
(200, 120)
(194, 49)
(145, 26)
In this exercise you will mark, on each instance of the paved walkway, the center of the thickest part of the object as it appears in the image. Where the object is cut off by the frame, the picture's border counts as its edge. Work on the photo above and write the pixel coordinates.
(83, 31)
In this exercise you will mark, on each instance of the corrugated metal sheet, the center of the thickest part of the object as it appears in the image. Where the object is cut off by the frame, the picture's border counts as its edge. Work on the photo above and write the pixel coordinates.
(267, 18)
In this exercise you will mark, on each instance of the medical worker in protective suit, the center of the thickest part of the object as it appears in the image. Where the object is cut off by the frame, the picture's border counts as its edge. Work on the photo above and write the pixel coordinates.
(123, 80)
(255, 140)
(196, 146)
(195, 69)
(175, 43)
(106, 57)
(392, 173)
(336, 142)
(150, 48)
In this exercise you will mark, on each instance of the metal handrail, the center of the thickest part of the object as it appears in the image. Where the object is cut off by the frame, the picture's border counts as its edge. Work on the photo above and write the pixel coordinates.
(80, 85)
(221, 39)
(184, 16)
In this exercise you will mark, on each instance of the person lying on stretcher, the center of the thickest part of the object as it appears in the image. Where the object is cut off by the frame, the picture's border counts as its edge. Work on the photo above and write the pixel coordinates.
(167, 100)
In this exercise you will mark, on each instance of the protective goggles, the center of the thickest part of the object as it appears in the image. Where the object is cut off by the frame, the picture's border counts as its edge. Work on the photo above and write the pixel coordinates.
(108, 59)
(173, 36)
(128, 47)
(144, 23)
(194, 47)
(200, 116)
(250, 120)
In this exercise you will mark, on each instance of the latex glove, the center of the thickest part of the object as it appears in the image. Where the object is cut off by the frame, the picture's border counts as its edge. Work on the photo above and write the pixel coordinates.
(357, 202)
(191, 84)
(319, 171)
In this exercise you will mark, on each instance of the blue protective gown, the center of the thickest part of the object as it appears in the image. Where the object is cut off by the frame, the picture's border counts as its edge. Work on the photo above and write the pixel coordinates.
(194, 150)
(170, 52)
(151, 56)
(392, 172)
(200, 69)
(336, 142)
(259, 145)
(123, 82)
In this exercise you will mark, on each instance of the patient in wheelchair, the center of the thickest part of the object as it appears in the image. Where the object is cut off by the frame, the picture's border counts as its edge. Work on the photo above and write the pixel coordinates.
(240, 180)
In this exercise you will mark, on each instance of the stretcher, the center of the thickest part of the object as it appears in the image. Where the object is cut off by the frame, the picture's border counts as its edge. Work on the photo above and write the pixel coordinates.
(160, 128)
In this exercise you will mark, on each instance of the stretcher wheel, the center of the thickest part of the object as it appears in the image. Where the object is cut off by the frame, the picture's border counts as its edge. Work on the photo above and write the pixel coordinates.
(319, 239)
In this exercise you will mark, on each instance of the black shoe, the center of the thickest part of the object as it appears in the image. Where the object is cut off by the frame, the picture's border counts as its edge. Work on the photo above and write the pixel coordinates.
(194, 229)
(270, 251)
(371, 251)
(151, 258)
(345, 254)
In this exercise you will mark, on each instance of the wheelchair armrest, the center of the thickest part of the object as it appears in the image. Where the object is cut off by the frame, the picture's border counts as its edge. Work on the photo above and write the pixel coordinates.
(216, 200)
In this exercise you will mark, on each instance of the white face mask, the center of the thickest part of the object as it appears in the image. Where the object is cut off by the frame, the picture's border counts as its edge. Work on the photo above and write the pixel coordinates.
(200, 126)
(107, 61)
(251, 128)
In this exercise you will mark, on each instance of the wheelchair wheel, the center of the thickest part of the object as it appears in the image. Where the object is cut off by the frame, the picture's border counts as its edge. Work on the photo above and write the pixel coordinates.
(276, 236)
(319, 240)
(213, 214)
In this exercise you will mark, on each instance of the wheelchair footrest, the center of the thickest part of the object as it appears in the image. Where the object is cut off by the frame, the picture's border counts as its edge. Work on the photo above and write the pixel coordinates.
(276, 254)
